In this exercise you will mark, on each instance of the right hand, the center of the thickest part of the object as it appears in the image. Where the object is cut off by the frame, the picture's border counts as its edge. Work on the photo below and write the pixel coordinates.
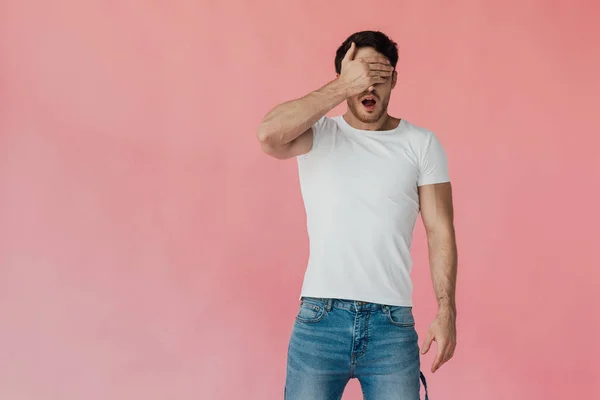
(361, 74)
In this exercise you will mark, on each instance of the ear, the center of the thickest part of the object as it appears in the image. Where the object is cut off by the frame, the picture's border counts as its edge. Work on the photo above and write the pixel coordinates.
(337, 75)
(394, 79)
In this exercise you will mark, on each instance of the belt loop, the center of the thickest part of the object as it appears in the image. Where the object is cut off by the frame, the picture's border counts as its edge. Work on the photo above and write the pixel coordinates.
(328, 304)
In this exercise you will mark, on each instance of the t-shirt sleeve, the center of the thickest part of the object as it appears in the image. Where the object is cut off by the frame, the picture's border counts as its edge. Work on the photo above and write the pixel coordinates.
(433, 163)
(317, 131)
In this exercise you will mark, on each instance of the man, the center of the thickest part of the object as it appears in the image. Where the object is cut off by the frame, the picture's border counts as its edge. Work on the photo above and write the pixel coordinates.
(364, 178)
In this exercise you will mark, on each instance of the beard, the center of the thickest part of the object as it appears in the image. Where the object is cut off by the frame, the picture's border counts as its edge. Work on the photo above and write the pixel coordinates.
(365, 117)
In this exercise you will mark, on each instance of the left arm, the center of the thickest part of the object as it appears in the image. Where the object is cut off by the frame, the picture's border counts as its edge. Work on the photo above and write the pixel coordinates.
(438, 218)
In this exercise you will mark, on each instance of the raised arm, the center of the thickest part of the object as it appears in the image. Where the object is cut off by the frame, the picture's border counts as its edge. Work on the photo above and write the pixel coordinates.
(286, 131)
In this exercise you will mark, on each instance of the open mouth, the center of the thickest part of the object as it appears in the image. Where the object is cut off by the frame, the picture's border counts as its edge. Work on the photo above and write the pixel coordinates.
(369, 103)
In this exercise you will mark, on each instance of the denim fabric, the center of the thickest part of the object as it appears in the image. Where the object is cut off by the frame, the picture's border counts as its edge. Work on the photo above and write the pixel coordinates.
(335, 340)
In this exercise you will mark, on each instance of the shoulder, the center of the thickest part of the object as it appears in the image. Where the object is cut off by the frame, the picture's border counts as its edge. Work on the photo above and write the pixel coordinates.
(422, 140)
(417, 133)
(326, 123)
(322, 133)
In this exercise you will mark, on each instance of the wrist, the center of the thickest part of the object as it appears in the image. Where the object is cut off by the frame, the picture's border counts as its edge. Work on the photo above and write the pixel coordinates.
(446, 307)
(341, 87)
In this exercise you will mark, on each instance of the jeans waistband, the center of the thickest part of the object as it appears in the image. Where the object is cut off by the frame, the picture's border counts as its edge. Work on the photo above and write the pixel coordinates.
(351, 305)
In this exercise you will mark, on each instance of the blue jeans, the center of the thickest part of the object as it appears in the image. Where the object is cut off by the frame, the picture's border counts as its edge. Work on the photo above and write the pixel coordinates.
(335, 340)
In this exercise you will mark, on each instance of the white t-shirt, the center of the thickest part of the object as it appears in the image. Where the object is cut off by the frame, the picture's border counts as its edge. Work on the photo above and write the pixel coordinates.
(360, 194)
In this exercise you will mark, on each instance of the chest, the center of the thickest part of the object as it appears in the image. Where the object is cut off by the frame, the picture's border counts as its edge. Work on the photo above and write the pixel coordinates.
(367, 169)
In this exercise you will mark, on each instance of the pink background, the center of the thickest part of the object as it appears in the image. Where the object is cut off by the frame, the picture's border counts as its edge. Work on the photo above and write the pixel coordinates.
(148, 250)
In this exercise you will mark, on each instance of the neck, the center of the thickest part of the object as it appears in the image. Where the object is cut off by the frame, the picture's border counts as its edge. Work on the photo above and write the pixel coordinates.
(385, 123)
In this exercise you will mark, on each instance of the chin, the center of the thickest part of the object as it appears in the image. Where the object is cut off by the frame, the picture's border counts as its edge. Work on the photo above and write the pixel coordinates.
(368, 118)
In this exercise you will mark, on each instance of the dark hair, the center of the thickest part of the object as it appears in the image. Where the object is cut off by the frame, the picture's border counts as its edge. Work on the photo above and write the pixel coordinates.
(378, 40)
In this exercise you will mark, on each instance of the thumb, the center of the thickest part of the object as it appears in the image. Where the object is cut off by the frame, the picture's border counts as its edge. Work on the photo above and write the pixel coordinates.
(427, 343)
(350, 53)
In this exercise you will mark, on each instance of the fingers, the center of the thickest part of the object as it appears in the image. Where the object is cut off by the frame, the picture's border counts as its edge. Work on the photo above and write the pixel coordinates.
(380, 67)
(442, 352)
(350, 53)
(377, 60)
(381, 73)
(445, 353)
(437, 362)
(375, 80)
(427, 342)
(378, 77)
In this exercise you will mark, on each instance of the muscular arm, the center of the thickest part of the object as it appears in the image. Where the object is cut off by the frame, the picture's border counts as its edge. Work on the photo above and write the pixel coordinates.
(286, 131)
(438, 217)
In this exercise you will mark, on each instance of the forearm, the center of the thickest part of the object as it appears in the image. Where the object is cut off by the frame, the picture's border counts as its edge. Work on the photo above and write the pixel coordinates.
(289, 120)
(443, 265)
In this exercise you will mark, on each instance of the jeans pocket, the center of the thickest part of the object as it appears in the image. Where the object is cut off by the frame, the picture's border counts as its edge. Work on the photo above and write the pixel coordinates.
(311, 310)
(400, 316)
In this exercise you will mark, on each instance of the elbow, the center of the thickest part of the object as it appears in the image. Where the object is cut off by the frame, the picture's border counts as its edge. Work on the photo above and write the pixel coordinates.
(266, 134)
(441, 235)
(262, 134)
(266, 139)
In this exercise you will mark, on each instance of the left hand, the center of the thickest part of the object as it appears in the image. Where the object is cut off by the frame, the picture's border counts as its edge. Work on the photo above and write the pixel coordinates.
(443, 331)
